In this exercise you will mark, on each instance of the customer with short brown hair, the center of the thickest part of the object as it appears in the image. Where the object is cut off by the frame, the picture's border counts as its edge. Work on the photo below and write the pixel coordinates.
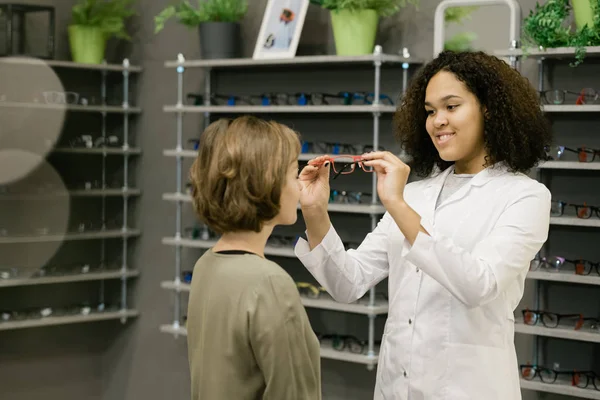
(248, 333)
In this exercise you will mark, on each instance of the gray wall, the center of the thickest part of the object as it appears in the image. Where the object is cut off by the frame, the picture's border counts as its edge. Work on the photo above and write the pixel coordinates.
(110, 362)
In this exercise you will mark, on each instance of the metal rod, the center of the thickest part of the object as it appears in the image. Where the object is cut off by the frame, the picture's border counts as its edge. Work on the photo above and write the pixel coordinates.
(541, 74)
(125, 185)
(103, 183)
(207, 94)
(179, 178)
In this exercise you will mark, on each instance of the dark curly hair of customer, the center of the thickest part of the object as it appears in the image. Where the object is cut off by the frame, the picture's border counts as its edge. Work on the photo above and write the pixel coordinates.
(515, 128)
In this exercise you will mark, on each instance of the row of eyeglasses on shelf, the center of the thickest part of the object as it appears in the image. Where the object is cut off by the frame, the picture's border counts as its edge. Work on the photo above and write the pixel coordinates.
(80, 227)
(66, 311)
(582, 379)
(57, 97)
(56, 270)
(285, 99)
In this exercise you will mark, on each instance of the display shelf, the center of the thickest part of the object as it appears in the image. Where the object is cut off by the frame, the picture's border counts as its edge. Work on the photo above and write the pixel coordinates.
(326, 303)
(592, 166)
(174, 330)
(361, 307)
(557, 276)
(67, 320)
(332, 207)
(72, 107)
(177, 286)
(180, 153)
(556, 52)
(327, 351)
(356, 208)
(106, 234)
(18, 60)
(280, 109)
(564, 388)
(574, 221)
(207, 244)
(560, 332)
(298, 60)
(571, 108)
(97, 151)
(47, 280)
(74, 193)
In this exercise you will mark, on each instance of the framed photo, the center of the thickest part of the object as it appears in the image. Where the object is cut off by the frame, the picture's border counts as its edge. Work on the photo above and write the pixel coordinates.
(280, 29)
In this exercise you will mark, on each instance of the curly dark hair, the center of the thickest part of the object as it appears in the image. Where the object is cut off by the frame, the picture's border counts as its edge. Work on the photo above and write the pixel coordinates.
(515, 128)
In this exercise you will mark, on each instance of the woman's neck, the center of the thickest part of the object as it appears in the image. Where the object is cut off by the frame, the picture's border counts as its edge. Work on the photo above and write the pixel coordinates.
(253, 242)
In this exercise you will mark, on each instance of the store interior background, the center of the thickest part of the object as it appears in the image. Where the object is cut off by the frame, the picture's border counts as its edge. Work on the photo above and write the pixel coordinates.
(106, 361)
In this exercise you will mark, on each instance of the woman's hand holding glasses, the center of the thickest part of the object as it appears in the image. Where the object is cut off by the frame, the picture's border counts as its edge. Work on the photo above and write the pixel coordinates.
(314, 179)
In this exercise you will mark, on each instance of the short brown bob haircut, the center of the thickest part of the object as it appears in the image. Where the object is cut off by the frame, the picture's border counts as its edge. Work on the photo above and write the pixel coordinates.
(240, 171)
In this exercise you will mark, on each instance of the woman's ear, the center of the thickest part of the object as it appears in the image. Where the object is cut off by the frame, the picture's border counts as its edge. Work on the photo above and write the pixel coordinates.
(486, 113)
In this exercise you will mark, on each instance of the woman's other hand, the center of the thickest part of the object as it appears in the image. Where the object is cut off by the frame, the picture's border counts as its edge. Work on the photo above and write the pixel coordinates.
(392, 175)
(314, 180)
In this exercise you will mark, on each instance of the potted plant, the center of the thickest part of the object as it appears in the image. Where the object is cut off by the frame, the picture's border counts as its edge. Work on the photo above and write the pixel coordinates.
(548, 26)
(93, 23)
(354, 22)
(217, 22)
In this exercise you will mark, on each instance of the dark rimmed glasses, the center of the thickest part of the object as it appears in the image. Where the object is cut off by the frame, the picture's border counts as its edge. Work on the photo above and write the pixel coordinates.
(552, 320)
(582, 211)
(348, 164)
(581, 379)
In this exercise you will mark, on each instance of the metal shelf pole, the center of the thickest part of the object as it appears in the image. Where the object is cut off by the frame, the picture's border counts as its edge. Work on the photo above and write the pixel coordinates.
(376, 116)
(125, 185)
(103, 185)
(178, 219)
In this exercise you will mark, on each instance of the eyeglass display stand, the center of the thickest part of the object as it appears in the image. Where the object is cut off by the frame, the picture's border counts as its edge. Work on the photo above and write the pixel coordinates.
(375, 210)
(539, 277)
(102, 234)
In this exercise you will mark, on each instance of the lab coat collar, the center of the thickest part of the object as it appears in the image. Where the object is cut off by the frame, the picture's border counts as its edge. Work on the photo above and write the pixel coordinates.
(434, 186)
(480, 179)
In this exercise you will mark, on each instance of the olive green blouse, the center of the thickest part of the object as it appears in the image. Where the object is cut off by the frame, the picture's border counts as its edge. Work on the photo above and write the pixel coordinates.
(248, 333)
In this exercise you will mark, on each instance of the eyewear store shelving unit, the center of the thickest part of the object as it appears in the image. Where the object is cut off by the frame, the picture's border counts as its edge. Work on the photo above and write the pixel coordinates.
(542, 274)
(96, 270)
(369, 307)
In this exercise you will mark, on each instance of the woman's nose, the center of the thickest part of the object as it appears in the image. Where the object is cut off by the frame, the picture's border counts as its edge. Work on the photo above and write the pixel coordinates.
(440, 120)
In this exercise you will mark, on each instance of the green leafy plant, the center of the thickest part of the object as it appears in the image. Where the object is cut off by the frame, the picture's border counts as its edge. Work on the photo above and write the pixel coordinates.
(461, 41)
(206, 11)
(383, 8)
(546, 26)
(108, 15)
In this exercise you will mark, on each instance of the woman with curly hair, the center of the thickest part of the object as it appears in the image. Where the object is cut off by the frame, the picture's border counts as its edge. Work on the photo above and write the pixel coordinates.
(456, 245)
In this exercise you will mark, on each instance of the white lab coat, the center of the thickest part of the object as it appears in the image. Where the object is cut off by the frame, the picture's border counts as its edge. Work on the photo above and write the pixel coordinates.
(449, 334)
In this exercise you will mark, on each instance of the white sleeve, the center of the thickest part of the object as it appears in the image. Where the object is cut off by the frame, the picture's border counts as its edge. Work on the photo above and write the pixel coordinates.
(479, 276)
(348, 275)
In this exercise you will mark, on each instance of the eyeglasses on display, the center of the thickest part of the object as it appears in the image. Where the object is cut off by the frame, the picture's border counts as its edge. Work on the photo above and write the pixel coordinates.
(582, 211)
(553, 320)
(560, 96)
(348, 197)
(555, 263)
(283, 99)
(584, 154)
(581, 379)
(310, 290)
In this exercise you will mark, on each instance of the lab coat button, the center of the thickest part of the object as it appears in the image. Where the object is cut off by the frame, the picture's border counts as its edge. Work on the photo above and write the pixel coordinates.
(405, 374)
(409, 321)
(417, 270)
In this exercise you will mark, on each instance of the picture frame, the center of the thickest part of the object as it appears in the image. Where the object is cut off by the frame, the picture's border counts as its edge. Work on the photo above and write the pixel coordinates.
(280, 29)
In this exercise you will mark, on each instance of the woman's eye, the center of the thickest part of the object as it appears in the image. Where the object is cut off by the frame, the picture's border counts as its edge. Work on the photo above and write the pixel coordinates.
(429, 112)
(452, 107)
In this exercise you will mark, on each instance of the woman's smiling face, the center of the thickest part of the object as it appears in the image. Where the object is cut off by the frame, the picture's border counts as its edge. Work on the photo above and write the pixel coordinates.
(455, 122)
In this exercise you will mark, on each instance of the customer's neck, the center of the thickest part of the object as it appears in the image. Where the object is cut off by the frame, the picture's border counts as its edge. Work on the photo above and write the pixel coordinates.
(253, 242)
